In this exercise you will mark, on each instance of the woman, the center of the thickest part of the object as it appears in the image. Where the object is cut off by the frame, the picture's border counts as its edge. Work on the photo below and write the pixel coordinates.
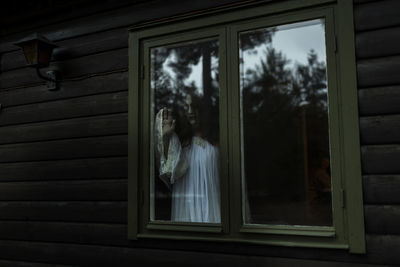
(189, 161)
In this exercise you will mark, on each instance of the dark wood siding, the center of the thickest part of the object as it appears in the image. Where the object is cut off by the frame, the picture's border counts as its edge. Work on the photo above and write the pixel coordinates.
(378, 63)
(63, 154)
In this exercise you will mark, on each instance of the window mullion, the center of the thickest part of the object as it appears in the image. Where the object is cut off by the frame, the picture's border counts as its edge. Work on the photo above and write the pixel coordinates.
(224, 126)
(234, 126)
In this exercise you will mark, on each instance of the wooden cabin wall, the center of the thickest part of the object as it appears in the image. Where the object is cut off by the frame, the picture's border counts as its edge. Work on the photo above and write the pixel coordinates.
(63, 154)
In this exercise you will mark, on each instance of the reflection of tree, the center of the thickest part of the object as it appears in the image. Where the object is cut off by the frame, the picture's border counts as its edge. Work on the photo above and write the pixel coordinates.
(171, 89)
(273, 96)
(269, 81)
(168, 88)
(271, 125)
(171, 66)
(310, 81)
(250, 41)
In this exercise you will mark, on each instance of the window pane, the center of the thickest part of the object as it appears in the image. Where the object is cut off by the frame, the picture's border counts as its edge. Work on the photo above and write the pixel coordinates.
(284, 125)
(185, 185)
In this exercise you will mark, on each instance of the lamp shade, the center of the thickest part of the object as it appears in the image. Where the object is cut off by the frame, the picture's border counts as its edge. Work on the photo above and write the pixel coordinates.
(37, 50)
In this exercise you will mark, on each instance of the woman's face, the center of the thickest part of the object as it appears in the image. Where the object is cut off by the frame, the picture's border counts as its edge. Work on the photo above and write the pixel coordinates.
(191, 111)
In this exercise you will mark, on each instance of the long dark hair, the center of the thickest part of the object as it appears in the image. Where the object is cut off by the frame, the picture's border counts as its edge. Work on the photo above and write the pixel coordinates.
(207, 121)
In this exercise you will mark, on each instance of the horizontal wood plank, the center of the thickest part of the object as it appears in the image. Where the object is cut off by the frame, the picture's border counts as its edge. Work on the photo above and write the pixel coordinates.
(379, 100)
(363, 1)
(382, 219)
(101, 190)
(122, 17)
(92, 64)
(76, 211)
(90, 147)
(77, 233)
(76, 169)
(378, 72)
(378, 43)
(384, 249)
(380, 129)
(381, 189)
(51, 13)
(89, 255)
(67, 108)
(105, 83)
(379, 14)
(74, 47)
(380, 159)
(7, 263)
(12, 60)
(62, 129)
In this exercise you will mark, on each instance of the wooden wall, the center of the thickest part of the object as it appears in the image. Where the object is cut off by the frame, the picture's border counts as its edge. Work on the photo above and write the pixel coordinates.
(63, 154)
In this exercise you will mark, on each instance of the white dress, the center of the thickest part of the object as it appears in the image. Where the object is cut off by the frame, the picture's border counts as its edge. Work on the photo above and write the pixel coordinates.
(196, 195)
(193, 172)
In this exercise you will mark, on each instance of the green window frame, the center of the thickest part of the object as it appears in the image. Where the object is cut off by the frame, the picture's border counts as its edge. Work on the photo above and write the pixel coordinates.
(224, 24)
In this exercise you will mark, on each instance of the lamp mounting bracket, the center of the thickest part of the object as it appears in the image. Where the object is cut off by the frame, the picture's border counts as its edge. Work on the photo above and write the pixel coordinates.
(51, 78)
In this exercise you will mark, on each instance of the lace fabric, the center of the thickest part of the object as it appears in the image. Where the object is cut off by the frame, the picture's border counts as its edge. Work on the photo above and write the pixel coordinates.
(174, 166)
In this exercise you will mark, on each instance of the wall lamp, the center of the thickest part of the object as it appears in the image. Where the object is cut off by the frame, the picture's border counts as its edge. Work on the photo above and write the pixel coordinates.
(38, 50)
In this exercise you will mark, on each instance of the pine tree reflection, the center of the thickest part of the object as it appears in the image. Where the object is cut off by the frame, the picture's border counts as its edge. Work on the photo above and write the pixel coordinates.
(284, 120)
(171, 68)
(285, 134)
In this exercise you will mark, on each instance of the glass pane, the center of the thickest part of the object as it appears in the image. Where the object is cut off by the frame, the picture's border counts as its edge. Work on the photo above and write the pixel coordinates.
(284, 121)
(185, 185)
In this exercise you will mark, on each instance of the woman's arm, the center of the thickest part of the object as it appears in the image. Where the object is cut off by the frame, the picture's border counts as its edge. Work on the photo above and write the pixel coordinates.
(169, 157)
(168, 128)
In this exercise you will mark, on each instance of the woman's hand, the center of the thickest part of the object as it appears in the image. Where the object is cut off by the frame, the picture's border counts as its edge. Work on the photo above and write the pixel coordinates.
(168, 124)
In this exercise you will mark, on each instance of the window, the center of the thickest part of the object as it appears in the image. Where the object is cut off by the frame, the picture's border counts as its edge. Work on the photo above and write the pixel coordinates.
(243, 127)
